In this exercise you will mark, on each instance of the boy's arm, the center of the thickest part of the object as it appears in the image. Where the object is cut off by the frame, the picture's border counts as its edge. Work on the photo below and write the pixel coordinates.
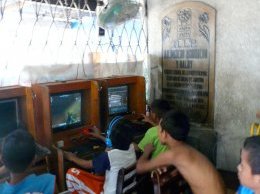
(96, 132)
(56, 190)
(148, 120)
(87, 164)
(136, 147)
(98, 136)
(3, 171)
(145, 165)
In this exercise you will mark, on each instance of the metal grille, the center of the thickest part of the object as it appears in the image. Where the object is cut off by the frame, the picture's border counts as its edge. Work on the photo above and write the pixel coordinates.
(48, 33)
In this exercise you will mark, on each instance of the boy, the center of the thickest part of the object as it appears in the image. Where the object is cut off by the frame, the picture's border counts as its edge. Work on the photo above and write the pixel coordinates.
(3, 170)
(40, 152)
(158, 109)
(18, 153)
(192, 165)
(108, 163)
(249, 167)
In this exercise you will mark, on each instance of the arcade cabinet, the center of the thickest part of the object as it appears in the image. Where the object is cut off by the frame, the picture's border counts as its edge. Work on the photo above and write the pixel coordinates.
(16, 111)
(123, 96)
(63, 111)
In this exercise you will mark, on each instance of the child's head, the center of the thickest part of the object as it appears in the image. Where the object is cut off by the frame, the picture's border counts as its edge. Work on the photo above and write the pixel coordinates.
(18, 151)
(249, 167)
(158, 109)
(122, 134)
(176, 124)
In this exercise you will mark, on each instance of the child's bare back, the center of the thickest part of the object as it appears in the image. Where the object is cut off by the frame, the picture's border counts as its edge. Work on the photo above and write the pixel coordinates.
(196, 169)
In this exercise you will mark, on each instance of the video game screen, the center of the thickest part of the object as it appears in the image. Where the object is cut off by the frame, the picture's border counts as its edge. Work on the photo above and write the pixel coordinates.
(66, 111)
(9, 116)
(118, 100)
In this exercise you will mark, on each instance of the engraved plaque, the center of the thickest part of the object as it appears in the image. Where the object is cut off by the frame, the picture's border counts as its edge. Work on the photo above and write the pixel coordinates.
(188, 43)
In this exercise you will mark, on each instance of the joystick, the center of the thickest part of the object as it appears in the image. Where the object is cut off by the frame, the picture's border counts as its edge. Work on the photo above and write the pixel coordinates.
(85, 131)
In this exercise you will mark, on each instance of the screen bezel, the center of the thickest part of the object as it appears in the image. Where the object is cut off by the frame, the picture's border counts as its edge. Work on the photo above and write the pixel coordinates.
(70, 126)
(128, 101)
(17, 114)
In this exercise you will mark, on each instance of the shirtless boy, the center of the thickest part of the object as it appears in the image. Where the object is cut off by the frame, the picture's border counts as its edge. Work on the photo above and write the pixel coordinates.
(195, 168)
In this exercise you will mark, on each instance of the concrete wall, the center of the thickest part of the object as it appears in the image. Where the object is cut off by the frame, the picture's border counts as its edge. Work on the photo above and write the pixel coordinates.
(237, 70)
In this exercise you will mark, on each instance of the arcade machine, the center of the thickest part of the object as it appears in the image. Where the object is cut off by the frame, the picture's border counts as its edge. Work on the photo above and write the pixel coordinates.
(123, 96)
(63, 112)
(16, 111)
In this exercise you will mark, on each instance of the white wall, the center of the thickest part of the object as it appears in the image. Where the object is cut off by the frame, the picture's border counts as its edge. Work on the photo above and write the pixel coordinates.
(237, 69)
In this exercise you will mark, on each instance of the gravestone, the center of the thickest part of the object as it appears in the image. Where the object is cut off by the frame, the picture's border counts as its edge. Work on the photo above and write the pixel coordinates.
(188, 61)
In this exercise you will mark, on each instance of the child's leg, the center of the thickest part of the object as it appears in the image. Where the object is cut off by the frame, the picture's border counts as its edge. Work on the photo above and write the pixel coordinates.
(79, 181)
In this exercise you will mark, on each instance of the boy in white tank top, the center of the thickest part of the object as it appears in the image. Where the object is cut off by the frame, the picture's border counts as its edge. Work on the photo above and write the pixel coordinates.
(105, 166)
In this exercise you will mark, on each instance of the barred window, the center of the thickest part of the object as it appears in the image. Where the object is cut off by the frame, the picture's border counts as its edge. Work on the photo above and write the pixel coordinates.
(48, 40)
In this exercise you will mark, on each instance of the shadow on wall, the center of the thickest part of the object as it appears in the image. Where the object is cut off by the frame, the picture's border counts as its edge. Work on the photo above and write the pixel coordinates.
(205, 140)
(156, 76)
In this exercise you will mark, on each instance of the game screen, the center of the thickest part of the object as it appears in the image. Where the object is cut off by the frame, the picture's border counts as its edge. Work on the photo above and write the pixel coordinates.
(9, 116)
(66, 111)
(118, 100)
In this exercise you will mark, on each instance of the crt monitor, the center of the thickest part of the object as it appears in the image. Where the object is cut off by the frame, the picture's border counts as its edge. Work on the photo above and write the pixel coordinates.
(9, 116)
(66, 111)
(118, 100)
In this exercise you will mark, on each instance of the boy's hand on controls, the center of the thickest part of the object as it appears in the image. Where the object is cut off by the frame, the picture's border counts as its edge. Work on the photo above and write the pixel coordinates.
(69, 155)
(147, 119)
(95, 132)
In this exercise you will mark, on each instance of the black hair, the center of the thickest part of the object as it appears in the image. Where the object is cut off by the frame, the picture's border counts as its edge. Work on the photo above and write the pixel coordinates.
(18, 150)
(160, 107)
(252, 146)
(122, 134)
(176, 124)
